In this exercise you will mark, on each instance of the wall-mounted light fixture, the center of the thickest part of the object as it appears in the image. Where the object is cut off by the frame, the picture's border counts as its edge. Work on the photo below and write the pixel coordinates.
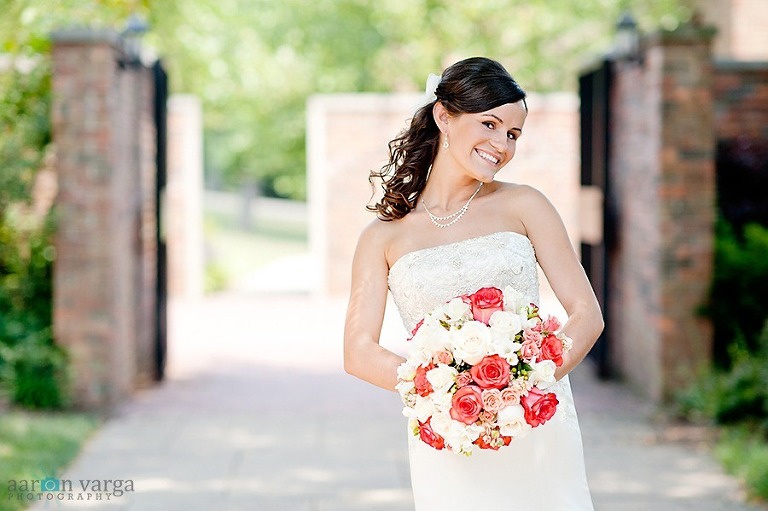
(135, 28)
(627, 42)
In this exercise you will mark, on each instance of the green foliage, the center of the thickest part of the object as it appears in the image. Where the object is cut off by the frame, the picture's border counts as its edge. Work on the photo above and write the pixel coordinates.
(254, 63)
(745, 453)
(736, 398)
(738, 303)
(31, 367)
(733, 396)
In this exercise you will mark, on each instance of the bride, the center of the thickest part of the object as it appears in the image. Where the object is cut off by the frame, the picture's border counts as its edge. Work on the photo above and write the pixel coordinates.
(446, 228)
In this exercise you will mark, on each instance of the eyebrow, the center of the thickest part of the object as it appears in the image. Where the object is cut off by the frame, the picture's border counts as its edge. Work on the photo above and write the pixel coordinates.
(502, 122)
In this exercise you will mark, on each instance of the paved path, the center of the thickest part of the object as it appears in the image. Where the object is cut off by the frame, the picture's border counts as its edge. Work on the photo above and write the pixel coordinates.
(258, 415)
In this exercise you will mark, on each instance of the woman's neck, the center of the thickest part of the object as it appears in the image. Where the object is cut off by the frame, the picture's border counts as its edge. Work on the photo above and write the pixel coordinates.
(447, 189)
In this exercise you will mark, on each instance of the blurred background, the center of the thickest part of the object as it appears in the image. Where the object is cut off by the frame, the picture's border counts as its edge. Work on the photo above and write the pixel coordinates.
(171, 171)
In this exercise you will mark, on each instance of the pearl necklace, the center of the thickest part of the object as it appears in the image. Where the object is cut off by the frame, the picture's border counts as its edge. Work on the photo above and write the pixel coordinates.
(453, 217)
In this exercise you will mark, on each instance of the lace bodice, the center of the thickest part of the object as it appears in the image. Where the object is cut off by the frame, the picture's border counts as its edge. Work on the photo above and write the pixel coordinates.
(423, 279)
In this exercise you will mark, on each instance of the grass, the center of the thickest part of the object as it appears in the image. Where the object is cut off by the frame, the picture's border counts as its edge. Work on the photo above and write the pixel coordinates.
(38, 445)
(744, 453)
(234, 252)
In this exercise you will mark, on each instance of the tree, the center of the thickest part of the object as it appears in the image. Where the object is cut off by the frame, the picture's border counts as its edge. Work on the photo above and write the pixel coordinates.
(254, 63)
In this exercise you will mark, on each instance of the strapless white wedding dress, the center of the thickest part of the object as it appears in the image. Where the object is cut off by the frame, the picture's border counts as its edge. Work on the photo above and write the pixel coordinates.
(543, 471)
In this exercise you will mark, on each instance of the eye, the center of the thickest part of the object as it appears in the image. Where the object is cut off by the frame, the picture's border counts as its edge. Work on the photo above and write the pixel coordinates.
(489, 124)
(512, 135)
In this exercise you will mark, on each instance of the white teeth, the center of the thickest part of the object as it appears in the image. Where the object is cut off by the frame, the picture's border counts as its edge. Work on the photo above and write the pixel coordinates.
(488, 157)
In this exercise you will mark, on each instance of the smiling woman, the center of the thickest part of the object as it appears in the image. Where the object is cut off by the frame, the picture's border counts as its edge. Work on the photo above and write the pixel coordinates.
(472, 233)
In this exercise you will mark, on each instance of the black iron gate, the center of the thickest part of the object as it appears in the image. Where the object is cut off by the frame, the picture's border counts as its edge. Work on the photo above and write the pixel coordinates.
(595, 118)
(161, 303)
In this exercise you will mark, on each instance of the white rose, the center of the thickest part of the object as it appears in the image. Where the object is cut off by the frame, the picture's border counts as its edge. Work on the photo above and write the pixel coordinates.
(406, 371)
(431, 337)
(441, 423)
(529, 322)
(456, 310)
(443, 402)
(511, 421)
(424, 408)
(505, 324)
(514, 299)
(459, 436)
(405, 387)
(471, 342)
(542, 373)
(506, 349)
(442, 378)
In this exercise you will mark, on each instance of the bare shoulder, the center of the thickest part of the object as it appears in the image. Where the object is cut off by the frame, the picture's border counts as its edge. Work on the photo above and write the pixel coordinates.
(375, 233)
(520, 193)
(377, 237)
(521, 204)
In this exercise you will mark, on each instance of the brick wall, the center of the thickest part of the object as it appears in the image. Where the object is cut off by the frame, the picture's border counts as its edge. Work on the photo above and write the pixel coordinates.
(104, 273)
(741, 99)
(662, 171)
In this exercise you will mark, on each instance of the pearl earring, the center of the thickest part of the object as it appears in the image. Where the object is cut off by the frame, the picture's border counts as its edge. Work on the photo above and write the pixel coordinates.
(445, 143)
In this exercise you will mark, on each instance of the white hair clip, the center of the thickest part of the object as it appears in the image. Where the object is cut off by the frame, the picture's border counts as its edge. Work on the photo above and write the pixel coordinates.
(429, 92)
(432, 82)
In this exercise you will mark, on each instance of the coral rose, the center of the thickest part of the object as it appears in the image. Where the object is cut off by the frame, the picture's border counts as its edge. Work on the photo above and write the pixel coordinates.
(492, 372)
(423, 387)
(485, 302)
(429, 437)
(466, 405)
(551, 349)
(539, 407)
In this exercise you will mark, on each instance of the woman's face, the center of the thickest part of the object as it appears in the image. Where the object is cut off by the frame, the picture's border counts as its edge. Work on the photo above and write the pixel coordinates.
(482, 143)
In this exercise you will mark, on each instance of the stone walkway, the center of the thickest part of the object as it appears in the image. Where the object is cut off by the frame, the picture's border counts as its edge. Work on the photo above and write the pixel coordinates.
(257, 415)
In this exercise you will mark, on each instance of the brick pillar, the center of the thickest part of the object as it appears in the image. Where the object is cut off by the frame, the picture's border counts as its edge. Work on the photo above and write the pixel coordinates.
(102, 270)
(663, 172)
(184, 198)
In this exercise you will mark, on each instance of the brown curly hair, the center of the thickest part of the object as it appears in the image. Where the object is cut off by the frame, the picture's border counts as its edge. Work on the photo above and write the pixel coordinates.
(472, 85)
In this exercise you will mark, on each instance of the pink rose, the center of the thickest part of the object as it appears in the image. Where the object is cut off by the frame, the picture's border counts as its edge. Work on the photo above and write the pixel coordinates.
(466, 405)
(463, 379)
(443, 357)
(552, 324)
(429, 437)
(491, 372)
(485, 302)
(532, 335)
(486, 416)
(420, 381)
(492, 401)
(538, 407)
(552, 349)
(511, 396)
(530, 349)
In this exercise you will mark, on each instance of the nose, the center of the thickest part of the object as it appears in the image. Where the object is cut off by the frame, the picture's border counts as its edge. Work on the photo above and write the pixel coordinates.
(499, 142)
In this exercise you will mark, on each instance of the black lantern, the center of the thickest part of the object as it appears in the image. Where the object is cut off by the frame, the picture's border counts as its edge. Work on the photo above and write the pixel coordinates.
(131, 36)
(627, 45)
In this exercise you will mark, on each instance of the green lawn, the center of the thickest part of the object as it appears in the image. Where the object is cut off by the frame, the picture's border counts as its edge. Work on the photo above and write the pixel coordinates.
(35, 445)
(234, 252)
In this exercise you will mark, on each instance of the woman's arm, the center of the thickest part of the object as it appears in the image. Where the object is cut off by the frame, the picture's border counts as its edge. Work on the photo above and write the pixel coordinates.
(364, 357)
(565, 274)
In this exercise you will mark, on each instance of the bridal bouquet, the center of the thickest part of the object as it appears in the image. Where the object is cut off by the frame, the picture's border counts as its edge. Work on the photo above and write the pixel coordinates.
(478, 370)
